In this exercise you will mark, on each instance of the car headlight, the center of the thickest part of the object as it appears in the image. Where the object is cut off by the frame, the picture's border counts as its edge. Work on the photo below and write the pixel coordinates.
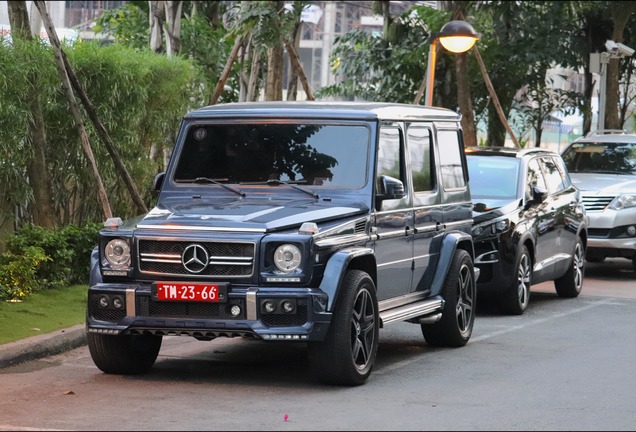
(623, 201)
(497, 227)
(287, 258)
(117, 253)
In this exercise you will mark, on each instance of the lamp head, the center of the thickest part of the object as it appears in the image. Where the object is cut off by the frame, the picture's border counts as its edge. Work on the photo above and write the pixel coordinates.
(457, 36)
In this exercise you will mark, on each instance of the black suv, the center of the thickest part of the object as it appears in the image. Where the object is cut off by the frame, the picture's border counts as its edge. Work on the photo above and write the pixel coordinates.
(301, 222)
(530, 224)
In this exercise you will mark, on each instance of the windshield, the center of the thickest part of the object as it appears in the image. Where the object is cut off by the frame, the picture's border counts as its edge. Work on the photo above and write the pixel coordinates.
(493, 177)
(331, 155)
(612, 158)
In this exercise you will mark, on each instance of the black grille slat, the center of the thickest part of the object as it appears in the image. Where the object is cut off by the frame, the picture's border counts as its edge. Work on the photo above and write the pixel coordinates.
(226, 259)
(286, 320)
(596, 203)
(102, 314)
(202, 310)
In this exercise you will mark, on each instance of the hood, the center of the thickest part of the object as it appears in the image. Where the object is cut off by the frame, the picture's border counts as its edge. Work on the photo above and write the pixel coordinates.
(604, 184)
(487, 209)
(244, 215)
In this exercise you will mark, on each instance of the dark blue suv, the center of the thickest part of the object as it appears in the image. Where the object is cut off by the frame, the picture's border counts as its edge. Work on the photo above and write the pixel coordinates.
(306, 222)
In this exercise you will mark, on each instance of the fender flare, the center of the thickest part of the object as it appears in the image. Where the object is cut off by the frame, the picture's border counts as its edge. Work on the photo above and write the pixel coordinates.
(95, 275)
(335, 271)
(450, 243)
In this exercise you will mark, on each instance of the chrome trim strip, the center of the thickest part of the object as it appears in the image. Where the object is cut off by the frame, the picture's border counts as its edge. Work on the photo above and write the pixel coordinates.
(157, 255)
(427, 228)
(230, 263)
(392, 234)
(250, 304)
(200, 228)
(131, 310)
(395, 262)
(410, 311)
(340, 240)
(398, 301)
(422, 256)
(169, 261)
(233, 258)
(457, 223)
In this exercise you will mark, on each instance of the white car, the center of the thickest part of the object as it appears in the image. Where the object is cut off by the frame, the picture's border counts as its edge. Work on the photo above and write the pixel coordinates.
(603, 166)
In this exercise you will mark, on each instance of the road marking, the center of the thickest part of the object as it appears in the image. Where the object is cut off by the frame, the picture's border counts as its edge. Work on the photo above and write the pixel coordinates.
(508, 329)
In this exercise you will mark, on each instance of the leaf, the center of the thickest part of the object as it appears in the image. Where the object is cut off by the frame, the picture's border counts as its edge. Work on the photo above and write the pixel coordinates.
(69, 392)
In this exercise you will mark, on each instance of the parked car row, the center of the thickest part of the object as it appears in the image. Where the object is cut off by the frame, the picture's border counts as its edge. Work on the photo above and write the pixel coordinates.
(323, 222)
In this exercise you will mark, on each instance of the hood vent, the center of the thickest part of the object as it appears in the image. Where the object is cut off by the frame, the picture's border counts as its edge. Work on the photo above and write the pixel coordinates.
(361, 227)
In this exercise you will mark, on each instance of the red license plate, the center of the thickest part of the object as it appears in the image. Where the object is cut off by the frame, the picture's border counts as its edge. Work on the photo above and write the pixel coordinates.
(188, 291)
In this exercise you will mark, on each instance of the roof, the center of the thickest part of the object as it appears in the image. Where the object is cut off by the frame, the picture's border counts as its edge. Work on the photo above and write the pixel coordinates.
(608, 136)
(321, 109)
(507, 151)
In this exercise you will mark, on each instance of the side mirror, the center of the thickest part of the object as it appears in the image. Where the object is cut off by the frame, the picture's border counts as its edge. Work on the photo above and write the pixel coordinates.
(392, 188)
(157, 183)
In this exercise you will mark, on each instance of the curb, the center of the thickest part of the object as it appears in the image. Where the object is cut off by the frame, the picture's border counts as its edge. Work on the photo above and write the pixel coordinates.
(44, 345)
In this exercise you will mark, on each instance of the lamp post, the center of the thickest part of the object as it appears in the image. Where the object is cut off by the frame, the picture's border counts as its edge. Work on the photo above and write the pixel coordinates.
(615, 50)
(457, 37)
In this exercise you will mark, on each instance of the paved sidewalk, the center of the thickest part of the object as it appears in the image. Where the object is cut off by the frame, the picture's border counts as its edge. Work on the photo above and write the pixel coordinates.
(39, 346)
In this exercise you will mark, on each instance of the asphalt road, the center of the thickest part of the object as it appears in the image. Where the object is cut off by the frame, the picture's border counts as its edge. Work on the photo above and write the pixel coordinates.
(566, 364)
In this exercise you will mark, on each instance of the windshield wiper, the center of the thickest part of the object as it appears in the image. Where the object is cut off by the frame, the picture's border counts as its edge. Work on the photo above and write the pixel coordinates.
(276, 182)
(216, 182)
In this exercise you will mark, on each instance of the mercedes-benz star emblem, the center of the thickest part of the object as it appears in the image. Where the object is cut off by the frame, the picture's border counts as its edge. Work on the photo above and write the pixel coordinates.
(195, 258)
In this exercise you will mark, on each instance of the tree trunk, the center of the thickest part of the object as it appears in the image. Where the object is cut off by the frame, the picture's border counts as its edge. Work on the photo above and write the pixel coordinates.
(226, 72)
(252, 84)
(86, 146)
(156, 24)
(292, 87)
(274, 83)
(172, 27)
(298, 68)
(37, 166)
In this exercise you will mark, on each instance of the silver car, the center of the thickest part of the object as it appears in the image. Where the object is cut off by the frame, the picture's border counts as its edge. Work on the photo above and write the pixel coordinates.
(603, 166)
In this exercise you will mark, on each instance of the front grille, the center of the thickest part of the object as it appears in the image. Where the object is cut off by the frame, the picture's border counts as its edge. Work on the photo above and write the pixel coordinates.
(596, 203)
(146, 307)
(226, 259)
(598, 232)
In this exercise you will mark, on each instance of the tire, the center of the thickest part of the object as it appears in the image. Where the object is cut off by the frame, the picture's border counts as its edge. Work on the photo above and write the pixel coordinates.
(347, 354)
(456, 325)
(123, 355)
(634, 262)
(595, 259)
(516, 298)
(570, 284)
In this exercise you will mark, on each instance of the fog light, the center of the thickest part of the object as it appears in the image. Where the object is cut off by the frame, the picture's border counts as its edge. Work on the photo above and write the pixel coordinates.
(269, 306)
(118, 302)
(103, 301)
(631, 230)
(288, 306)
(235, 310)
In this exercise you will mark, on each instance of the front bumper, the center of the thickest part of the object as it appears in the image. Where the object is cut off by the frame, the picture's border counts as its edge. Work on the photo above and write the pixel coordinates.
(496, 266)
(142, 313)
(607, 232)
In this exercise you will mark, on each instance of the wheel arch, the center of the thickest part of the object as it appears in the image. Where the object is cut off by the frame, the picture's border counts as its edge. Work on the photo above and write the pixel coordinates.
(450, 243)
(353, 258)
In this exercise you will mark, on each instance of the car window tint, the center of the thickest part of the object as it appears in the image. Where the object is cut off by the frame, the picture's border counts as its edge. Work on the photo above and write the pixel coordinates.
(391, 163)
(553, 177)
(421, 157)
(534, 178)
(450, 155)
(619, 158)
(493, 177)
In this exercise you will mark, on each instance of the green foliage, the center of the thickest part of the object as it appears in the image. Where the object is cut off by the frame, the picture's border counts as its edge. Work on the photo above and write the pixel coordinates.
(376, 69)
(53, 258)
(18, 272)
(128, 25)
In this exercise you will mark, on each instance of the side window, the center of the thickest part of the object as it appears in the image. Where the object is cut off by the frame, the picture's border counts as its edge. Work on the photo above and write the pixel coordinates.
(535, 178)
(564, 171)
(553, 176)
(419, 143)
(450, 156)
(391, 163)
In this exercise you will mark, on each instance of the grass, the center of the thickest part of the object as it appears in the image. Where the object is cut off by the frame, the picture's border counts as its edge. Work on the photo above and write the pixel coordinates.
(43, 312)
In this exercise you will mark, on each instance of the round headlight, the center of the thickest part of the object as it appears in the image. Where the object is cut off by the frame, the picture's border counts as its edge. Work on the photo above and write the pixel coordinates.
(117, 253)
(287, 258)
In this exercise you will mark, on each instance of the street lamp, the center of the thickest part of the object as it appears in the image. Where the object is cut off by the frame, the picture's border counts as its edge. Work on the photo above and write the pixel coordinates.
(598, 64)
(457, 37)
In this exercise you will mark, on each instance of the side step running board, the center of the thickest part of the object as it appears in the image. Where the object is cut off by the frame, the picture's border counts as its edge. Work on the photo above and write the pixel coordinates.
(412, 310)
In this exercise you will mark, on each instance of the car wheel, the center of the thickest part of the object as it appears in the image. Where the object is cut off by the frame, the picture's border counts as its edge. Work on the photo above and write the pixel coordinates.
(570, 284)
(347, 354)
(456, 325)
(128, 354)
(515, 299)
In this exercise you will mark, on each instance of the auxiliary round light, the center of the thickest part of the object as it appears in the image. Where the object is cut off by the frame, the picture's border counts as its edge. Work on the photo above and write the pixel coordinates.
(118, 302)
(288, 306)
(103, 301)
(235, 310)
(269, 306)
(631, 230)
(117, 253)
(287, 258)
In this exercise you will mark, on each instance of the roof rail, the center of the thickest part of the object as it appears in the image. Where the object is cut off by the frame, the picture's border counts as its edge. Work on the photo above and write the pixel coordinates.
(606, 132)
